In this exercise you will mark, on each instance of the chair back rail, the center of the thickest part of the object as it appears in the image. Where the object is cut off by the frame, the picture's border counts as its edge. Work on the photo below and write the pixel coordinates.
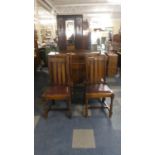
(59, 69)
(96, 69)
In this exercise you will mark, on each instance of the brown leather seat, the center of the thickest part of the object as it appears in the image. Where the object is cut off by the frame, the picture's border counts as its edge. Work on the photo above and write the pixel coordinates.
(59, 91)
(96, 89)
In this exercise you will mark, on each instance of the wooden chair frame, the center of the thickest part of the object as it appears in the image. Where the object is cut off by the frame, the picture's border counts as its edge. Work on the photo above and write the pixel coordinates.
(96, 76)
(60, 78)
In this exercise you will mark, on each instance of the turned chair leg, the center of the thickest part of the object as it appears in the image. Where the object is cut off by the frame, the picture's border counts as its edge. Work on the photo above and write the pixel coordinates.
(103, 99)
(53, 102)
(69, 112)
(111, 106)
(46, 109)
(86, 107)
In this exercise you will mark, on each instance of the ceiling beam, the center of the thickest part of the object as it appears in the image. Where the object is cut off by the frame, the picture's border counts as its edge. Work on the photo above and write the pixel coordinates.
(51, 4)
(88, 12)
(87, 4)
(48, 5)
(42, 4)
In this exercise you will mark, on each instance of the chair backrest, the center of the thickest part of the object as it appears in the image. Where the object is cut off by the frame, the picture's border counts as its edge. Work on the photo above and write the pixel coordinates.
(59, 69)
(96, 69)
(77, 68)
(77, 65)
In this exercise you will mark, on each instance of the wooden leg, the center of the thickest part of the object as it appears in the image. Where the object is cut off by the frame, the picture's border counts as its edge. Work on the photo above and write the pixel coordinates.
(111, 105)
(53, 102)
(46, 110)
(69, 112)
(86, 107)
(51, 105)
(102, 100)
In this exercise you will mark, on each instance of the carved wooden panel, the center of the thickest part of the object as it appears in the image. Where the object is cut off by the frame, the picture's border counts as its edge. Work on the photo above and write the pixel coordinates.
(78, 32)
(78, 23)
(61, 33)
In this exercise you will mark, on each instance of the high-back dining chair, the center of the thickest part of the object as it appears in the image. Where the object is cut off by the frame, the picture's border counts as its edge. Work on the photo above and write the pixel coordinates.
(60, 82)
(96, 87)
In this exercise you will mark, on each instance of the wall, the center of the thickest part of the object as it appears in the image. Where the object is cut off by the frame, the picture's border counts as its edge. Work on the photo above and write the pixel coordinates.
(116, 25)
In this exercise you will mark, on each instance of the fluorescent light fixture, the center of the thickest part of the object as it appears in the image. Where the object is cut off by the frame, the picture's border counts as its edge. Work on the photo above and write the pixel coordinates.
(114, 1)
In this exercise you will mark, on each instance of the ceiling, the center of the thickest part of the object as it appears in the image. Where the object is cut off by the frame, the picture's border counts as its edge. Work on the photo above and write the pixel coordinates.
(88, 8)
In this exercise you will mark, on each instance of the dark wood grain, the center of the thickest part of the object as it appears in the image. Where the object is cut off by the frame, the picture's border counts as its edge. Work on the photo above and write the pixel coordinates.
(62, 42)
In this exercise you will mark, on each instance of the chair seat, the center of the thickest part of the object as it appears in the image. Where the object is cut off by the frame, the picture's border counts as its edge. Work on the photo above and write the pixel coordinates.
(98, 88)
(55, 92)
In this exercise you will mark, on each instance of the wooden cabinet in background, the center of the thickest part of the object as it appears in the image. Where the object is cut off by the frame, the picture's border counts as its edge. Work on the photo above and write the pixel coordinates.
(61, 26)
(112, 64)
(86, 42)
(78, 31)
(61, 33)
(116, 42)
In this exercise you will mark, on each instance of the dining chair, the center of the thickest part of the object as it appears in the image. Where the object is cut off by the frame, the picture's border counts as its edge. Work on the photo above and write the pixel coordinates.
(60, 83)
(96, 86)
